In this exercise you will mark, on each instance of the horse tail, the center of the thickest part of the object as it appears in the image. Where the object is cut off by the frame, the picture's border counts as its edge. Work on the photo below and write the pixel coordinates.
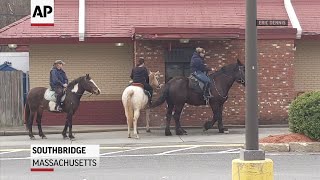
(26, 113)
(128, 107)
(163, 97)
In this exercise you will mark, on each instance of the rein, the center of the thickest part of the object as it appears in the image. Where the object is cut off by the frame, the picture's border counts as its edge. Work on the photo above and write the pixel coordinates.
(231, 77)
(79, 94)
(215, 87)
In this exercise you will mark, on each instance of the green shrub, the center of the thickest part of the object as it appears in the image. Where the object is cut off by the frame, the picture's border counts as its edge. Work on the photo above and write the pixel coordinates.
(304, 115)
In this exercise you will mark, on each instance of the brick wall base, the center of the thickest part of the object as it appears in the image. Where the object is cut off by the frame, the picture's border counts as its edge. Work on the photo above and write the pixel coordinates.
(90, 113)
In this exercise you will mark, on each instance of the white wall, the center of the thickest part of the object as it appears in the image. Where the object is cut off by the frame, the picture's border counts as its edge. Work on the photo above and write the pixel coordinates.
(19, 60)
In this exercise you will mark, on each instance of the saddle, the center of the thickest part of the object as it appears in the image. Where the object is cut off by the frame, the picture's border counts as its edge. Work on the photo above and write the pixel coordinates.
(51, 96)
(195, 84)
(142, 86)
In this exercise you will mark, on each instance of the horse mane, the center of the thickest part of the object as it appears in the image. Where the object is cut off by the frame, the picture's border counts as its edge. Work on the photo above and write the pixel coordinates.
(223, 70)
(74, 82)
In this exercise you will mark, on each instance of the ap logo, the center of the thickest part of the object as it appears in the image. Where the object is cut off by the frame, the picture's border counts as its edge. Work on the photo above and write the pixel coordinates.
(42, 12)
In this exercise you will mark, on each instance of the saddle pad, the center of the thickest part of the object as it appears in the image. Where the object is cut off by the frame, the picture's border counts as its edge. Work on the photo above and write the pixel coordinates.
(51, 96)
(137, 84)
(195, 84)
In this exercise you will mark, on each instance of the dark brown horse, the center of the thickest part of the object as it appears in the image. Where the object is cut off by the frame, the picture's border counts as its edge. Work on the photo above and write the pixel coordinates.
(177, 92)
(36, 103)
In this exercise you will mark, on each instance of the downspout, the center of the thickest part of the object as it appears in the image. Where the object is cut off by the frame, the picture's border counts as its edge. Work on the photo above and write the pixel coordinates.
(135, 52)
(82, 24)
(293, 17)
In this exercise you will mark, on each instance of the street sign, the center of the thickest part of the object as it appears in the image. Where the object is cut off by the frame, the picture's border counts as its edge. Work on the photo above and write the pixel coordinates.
(272, 22)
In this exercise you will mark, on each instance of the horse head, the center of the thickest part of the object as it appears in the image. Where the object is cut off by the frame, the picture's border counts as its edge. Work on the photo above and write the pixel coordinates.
(240, 73)
(154, 79)
(89, 85)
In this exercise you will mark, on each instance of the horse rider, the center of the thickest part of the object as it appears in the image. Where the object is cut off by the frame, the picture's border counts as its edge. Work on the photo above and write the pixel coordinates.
(199, 70)
(58, 81)
(140, 74)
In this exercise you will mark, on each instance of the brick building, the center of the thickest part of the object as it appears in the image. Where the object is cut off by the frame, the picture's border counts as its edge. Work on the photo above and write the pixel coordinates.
(165, 33)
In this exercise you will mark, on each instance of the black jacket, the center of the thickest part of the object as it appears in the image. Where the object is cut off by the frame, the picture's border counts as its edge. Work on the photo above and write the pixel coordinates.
(197, 63)
(57, 78)
(140, 75)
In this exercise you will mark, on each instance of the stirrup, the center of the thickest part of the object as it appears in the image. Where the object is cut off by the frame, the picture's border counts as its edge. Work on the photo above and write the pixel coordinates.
(210, 95)
(206, 100)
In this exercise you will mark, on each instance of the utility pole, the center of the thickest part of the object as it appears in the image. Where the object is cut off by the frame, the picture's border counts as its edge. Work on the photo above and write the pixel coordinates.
(252, 163)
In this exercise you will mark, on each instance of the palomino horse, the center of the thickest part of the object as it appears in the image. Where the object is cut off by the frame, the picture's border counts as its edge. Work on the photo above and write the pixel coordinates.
(36, 102)
(177, 92)
(134, 99)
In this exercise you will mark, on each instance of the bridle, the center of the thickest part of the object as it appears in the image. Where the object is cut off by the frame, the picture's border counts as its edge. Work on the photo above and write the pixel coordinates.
(83, 94)
(157, 78)
(241, 80)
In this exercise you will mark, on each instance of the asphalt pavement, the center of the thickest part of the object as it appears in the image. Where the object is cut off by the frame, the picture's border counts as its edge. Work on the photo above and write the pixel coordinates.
(197, 155)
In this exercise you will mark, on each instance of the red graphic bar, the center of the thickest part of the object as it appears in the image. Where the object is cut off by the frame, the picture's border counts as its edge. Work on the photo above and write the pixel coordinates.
(42, 24)
(42, 169)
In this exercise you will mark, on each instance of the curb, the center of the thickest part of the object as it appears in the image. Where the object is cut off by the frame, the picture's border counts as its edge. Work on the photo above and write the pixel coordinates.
(305, 147)
(291, 147)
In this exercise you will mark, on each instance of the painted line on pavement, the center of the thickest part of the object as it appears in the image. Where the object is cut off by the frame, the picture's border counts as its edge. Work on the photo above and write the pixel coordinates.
(176, 150)
(231, 150)
(178, 154)
(13, 151)
(192, 145)
(115, 152)
(5, 150)
(106, 148)
(22, 158)
(148, 147)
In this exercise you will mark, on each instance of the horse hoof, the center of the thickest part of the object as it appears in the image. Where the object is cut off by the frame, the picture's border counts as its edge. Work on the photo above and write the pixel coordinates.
(137, 137)
(32, 138)
(226, 131)
(44, 137)
(65, 137)
(179, 133)
(168, 133)
(207, 125)
(72, 138)
(148, 130)
(206, 133)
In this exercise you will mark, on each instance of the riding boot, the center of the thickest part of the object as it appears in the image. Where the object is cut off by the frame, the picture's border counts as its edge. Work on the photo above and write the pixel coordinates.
(208, 92)
(58, 104)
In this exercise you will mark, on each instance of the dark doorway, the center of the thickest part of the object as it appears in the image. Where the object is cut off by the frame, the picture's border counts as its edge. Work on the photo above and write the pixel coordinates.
(178, 62)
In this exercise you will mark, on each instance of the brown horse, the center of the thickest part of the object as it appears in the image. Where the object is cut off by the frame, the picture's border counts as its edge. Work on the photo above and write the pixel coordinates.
(177, 92)
(36, 102)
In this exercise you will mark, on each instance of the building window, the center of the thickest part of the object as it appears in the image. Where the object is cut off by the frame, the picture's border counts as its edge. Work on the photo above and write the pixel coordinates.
(178, 62)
